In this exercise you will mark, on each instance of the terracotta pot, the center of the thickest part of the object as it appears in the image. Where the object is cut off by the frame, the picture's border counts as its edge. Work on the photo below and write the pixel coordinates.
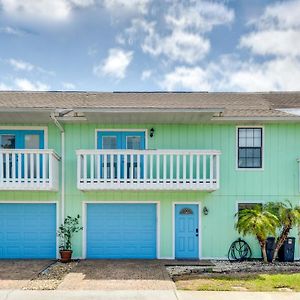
(65, 255)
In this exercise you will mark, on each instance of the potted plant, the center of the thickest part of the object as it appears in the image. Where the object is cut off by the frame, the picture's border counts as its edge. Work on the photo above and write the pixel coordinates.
(65, 234)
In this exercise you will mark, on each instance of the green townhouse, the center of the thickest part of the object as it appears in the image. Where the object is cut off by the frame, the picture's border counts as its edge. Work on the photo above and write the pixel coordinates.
(152, 175)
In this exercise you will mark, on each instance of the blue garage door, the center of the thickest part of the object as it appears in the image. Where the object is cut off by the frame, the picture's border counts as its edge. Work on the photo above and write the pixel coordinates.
(121, 231)
(27, 230)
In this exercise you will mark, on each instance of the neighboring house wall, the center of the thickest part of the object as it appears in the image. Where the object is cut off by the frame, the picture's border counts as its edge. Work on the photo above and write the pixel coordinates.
(277, 181)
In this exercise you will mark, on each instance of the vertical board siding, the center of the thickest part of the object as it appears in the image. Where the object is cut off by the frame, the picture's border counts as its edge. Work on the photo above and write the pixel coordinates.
(278, 180)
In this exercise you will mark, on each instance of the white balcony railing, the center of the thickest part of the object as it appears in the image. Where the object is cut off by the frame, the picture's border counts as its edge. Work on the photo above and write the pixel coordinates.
(29, 169)
(148, 169)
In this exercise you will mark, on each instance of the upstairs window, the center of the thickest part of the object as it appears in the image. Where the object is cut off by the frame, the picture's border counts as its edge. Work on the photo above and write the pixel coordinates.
(250, 148)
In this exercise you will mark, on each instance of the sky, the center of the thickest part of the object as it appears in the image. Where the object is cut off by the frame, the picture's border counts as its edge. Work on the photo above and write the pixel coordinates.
(150, 45)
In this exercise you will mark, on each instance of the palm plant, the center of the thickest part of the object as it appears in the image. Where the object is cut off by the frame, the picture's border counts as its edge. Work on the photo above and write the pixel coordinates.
(259, 222)
(288, 217)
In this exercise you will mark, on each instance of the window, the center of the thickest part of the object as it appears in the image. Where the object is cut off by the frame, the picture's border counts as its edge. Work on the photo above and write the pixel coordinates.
(242, 206)
(109, 142)
(7, 141)
(250, 148)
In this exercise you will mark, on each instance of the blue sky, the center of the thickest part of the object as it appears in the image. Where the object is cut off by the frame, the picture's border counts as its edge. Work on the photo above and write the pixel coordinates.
(150, 45)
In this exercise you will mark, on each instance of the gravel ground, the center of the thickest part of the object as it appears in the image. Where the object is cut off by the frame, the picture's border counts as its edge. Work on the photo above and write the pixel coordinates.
(228, 267)
(51, 277)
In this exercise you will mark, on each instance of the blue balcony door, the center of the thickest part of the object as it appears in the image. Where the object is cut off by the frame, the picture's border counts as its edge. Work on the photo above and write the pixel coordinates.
(21, 139)
(186, 231)
(134, 140)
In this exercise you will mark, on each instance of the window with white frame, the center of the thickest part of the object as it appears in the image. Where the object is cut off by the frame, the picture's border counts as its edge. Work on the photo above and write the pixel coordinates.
(249, 141)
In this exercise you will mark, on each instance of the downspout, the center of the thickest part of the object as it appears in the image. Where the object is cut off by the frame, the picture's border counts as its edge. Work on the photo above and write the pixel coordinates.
(62, 135)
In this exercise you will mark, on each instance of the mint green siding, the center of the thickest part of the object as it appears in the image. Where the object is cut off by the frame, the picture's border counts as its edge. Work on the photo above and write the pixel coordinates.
(277, 181)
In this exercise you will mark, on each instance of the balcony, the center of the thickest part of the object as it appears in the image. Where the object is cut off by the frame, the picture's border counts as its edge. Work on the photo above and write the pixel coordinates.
(148, 170)
(29, 169)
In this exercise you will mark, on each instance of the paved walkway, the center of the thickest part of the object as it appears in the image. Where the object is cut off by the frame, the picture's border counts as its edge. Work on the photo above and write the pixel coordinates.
(142, 295)
(118, 275)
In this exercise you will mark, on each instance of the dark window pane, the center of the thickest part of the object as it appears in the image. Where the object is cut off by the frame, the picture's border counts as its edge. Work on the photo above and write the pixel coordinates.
(8, 141)
(242, 206)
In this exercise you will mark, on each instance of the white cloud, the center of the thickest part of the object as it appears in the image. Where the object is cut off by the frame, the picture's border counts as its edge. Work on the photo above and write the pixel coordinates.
(27, 85)
(181, 34)
(123, 6)
(42, 10)
(116, 64)
(11, 31)
(198, 15)
(179, 46)
(21, 65)
(68, 86)
(184, 78)
(276, 32)
(273, 75)
(273, 42)
(146, 74)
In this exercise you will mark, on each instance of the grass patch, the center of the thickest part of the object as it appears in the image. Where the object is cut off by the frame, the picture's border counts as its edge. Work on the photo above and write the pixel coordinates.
(242, 282)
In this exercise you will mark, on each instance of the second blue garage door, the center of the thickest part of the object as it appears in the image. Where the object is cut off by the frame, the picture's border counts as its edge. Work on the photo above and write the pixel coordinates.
(121, 231)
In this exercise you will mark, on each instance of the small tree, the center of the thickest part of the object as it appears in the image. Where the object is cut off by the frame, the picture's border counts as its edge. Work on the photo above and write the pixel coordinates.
(258, 222)
(66, 231)
(288, 217)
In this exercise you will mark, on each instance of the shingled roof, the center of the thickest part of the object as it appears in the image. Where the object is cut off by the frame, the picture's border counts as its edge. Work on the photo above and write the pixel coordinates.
(231, 104)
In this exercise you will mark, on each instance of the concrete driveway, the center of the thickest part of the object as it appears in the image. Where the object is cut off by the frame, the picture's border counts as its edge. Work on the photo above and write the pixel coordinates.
(15, 274)
(118, 275)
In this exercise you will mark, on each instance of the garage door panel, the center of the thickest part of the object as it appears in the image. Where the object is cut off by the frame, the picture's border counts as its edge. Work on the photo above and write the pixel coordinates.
(121, 230)
(28, 230)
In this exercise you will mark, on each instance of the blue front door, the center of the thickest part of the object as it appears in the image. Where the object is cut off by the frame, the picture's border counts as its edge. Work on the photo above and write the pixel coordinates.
(134, 140)
(186, 231)
(27, 230)
(121, 230)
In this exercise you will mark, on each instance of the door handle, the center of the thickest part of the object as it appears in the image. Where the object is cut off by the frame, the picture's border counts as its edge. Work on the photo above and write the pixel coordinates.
(197, 231)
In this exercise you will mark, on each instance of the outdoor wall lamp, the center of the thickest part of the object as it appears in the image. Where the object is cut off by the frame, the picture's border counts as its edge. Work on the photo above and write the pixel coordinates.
(151, 132)
(205, 210)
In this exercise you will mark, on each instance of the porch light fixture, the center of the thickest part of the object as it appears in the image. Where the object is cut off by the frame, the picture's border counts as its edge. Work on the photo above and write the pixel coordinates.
(205, 210)
(151, 132)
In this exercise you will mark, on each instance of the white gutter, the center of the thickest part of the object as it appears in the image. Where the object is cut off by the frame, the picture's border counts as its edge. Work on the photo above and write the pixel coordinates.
(62, 134)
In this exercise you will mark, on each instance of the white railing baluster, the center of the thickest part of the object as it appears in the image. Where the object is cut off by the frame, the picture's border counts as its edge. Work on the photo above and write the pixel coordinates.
(211, 171)
(92, 167)
(131, 167)
(138, 159)
(145, 165)
(164, 175)
(119, 159)
(105, 168)
(171, 168)
(13, 167)
(44, 171)
(197, 169)
(191, 169)
(184, 170)
(204, 170)
(158, 167)
(218, 172)
(151, 168)
(177, 170)
(125, 168)
(38, 168)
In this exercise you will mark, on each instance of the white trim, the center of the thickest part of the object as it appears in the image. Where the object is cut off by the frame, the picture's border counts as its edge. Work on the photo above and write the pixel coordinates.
(44, 128)
(121, 130)
(41, 202)
(262, 148)
(199, 226)
(84, 221)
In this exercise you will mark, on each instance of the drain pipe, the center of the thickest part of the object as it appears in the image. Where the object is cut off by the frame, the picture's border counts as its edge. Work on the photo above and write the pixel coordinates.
(62, 135)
